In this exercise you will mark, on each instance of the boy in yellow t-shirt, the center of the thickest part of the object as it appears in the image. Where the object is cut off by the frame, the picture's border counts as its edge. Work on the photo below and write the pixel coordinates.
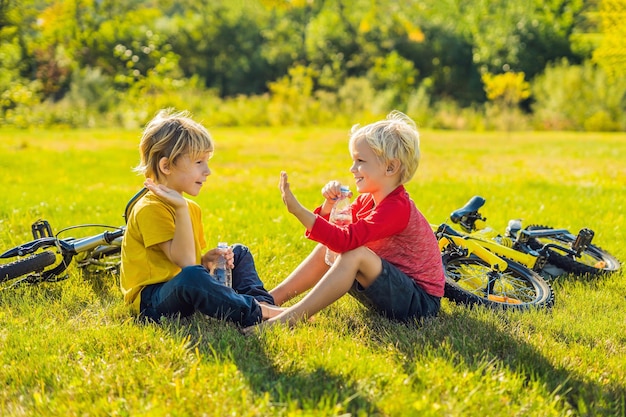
(163, 270)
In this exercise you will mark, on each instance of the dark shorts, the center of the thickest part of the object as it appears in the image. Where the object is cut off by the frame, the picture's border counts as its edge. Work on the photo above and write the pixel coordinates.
(396, 296)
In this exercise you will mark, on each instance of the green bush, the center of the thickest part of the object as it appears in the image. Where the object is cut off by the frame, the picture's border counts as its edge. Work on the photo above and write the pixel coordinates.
(578, 97)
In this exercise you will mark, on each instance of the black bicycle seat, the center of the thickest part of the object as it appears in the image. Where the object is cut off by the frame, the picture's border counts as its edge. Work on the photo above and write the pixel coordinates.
(471, 206)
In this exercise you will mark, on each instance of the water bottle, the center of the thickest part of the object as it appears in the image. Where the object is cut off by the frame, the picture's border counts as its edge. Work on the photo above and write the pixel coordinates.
(341, 215)
(222, 272)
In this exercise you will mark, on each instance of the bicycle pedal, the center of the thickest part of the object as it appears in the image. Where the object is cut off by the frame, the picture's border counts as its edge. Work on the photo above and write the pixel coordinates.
(41, 229)
(582, 240)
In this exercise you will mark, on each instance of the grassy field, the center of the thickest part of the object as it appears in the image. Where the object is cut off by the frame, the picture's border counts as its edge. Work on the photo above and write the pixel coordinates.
(72, 348)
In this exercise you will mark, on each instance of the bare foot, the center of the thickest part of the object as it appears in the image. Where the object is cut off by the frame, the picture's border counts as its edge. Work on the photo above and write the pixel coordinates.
(278, 318)
(268, 311)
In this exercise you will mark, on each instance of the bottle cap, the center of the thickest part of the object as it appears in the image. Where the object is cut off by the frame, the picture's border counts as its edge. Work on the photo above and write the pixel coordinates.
(345, 189)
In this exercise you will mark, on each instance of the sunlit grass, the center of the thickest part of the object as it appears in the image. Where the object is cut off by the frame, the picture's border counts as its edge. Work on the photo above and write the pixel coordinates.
(73, 348)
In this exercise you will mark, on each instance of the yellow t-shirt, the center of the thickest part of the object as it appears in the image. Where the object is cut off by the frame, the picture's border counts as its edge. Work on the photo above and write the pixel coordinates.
(151, 222)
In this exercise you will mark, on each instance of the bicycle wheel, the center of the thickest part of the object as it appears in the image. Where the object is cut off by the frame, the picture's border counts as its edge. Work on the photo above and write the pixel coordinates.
(593, 260)
(470, 280)
(32, 263)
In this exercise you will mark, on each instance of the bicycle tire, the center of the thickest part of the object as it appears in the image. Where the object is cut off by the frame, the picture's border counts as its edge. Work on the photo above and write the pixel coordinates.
(32, 263)
(517, 288)
(593, 261)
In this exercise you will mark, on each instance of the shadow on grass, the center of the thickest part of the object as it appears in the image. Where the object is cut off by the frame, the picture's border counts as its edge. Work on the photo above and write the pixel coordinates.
(105, 284)
(463, 337)
(288, 387)
(310, 390)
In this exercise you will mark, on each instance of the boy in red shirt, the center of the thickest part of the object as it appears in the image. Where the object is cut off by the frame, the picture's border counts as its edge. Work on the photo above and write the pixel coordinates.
(389, 258)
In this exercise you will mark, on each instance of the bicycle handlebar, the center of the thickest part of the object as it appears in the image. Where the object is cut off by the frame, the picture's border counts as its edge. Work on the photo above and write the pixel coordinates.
(66, 246)
(91, 242)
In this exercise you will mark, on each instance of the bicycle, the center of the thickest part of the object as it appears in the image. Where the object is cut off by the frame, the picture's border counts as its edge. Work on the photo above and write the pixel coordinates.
(45, 258)
(547, 250)
(476, 275)
(507, 271)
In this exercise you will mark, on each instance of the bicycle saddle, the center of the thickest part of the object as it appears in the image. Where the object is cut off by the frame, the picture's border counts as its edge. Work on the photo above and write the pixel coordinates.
(471, 206)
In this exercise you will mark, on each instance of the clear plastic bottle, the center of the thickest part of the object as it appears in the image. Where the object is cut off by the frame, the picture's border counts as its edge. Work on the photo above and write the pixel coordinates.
(222, 272)
(341, 214)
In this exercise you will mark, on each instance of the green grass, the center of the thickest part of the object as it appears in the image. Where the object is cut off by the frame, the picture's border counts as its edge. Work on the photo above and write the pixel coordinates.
(72, 348)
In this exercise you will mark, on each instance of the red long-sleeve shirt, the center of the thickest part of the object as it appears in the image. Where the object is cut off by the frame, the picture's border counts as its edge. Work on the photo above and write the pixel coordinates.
(395, 230)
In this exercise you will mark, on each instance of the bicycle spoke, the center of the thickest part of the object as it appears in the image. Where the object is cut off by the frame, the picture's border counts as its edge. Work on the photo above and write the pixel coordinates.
(507, 288)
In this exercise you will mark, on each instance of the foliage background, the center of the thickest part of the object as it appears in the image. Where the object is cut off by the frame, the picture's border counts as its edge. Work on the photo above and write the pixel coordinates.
(88, 63)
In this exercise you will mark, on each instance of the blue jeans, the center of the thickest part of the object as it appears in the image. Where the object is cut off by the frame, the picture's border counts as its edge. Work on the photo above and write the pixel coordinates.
(396, 296)
(195, 289)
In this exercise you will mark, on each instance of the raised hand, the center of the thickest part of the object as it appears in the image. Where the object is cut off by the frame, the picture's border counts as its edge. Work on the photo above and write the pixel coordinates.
(165, 193)
(306, 217)
(289, 199)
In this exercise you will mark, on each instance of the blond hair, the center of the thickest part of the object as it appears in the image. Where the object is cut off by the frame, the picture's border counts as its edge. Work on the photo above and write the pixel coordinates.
(396, 137)
(171, 134)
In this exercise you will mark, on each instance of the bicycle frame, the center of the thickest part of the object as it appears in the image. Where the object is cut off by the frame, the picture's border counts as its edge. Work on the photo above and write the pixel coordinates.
(515, 244)
(446, 236)
(478, 271)
(505, 248)
(68, 247)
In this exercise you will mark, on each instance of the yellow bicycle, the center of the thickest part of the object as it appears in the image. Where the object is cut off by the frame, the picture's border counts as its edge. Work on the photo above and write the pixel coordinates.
(510, 270)
(546, 250)
(481, 271)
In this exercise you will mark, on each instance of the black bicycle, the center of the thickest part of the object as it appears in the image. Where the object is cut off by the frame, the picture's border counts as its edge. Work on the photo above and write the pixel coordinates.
(48, 255)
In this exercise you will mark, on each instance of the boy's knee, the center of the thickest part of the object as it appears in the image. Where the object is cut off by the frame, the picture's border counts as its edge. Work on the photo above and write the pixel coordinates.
(193, 270)
(193, 274)
(239, 249)
(355, 255)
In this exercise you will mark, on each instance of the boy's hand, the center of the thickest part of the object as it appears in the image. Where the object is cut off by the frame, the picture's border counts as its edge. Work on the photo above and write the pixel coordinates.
(332, 192)
(306, 217)
(210, 257)
(165, 193)
(289, 199)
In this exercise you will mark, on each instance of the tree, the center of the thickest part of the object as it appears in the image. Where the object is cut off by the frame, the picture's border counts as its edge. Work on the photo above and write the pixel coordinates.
(17, 86)
(506, 90)
(611, 55)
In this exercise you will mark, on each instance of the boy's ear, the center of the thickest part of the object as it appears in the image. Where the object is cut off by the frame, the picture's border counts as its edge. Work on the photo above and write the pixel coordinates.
(393, 166)
(164, 165)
